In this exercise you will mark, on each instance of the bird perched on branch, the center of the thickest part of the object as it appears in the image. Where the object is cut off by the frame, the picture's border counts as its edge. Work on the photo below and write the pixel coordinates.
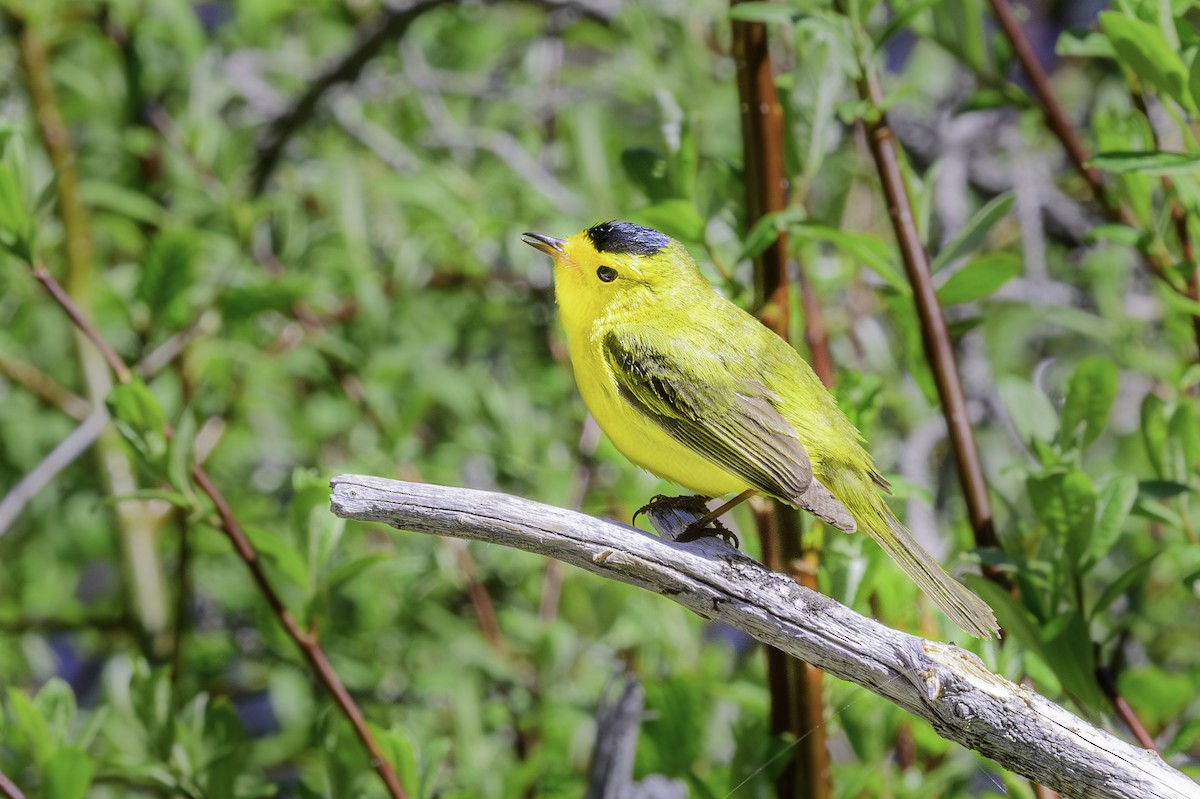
(697, 391)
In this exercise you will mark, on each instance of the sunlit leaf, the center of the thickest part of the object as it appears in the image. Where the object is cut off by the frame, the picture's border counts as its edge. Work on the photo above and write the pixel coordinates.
(1090, 394)
(975, 231)
(979, 278)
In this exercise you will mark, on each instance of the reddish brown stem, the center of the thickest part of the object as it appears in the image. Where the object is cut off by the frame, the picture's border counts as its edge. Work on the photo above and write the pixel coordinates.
(485, 611)
(118, 367)
(307, 643)
(1157, 260)
(1104, 677)
(1056, 117)
(797, 706)
(939, 348)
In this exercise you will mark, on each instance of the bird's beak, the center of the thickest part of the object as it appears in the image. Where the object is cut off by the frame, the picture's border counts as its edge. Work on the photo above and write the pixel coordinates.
(547, 244)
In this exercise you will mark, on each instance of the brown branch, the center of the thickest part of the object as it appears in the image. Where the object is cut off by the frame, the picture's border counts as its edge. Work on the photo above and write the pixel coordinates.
(1056, 117)
(939, 347)
(1108, 685)
(481, 601)
(796, 701)
(44, 386)
(306, 642)
(9, 789)
(84, 325)
(371, 37)
(1157, 260)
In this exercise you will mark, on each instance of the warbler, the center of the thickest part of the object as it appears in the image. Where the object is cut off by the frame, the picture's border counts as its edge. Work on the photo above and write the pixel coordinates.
(692, 388)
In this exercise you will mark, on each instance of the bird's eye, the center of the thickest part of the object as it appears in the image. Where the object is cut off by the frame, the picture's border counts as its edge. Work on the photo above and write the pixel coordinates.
(606, 274)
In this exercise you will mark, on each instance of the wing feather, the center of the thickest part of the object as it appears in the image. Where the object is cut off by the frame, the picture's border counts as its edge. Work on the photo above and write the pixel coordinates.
(738, 427)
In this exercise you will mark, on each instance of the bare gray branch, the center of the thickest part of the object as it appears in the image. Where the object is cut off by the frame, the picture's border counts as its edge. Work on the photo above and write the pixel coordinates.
(947, 686)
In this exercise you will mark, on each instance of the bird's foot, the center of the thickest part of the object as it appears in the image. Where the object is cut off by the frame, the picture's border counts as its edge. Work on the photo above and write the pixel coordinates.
(692, 502)
(700, 528)
(714, 528)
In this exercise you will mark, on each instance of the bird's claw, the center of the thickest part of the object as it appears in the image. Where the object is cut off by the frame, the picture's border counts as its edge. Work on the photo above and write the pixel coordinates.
(662, 501)
(716, 530)
(694, 531)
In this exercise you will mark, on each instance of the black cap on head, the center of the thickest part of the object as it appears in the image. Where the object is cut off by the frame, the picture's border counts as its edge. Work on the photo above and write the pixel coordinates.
(626, 238)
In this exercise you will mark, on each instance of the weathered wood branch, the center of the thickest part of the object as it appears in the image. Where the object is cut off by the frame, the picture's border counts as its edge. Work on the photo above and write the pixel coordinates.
(947, 686)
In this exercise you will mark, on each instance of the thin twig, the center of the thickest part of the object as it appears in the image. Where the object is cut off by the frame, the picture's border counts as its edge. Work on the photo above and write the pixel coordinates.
(1056, 117)
(371, 37)
(9, 789)
(481, 601)
(1154, 254)
(306, 642)
(83, 436)
(938, 345)
(1104, 677)
(44, 386)
(85, 326)
(63, 455)
(797, 706)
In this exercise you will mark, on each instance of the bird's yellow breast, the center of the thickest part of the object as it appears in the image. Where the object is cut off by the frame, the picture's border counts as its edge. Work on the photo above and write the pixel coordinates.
(635, 436)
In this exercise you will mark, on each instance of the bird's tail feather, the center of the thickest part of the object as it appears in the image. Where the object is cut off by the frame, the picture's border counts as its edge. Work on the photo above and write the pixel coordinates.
(963, 607)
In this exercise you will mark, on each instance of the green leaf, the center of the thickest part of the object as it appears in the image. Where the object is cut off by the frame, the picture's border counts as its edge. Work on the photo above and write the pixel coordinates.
(1135, 575)
(179, 454)
(1181, 455)
(1157, 695)
(242, 302)
(1145, 51)
(979, 278)
(399, 751)
(1090, 395)
(766, 13)
(868, 250)
(1115, 502)
(1154, 431)
(223, 733)
(1084, 44)
(648, 169)
(1194, 77)
(1014, 619)
(351, 569)
(1152, 162)
(975, 231)
(1067, 648)
(1117, 234)
(768, 228)
(166, 275)
(1161, 489)
(67, 774)
(280, 552)
(15, 223)
(1065, 502)
(122, 201)
(139, 419)
(678, 218)
(31, 725)
(1031, 411)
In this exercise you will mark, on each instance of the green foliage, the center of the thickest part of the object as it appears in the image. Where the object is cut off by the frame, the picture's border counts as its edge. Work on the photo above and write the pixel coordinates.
(373, 310)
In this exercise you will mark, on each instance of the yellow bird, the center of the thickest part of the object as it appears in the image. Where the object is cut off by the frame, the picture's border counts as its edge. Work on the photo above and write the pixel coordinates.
(694, 389)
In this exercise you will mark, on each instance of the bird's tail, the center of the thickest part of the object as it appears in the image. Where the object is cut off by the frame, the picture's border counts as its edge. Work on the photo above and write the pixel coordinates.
(963, 607)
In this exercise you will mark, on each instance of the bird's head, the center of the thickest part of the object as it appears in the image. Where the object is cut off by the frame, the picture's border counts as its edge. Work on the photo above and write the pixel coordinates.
(613, 266)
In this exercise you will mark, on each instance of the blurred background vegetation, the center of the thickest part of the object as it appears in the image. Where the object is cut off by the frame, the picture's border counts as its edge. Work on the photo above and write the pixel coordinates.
(301, 222)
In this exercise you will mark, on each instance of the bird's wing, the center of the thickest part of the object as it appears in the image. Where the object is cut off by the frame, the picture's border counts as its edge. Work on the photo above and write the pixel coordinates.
(730, 421)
